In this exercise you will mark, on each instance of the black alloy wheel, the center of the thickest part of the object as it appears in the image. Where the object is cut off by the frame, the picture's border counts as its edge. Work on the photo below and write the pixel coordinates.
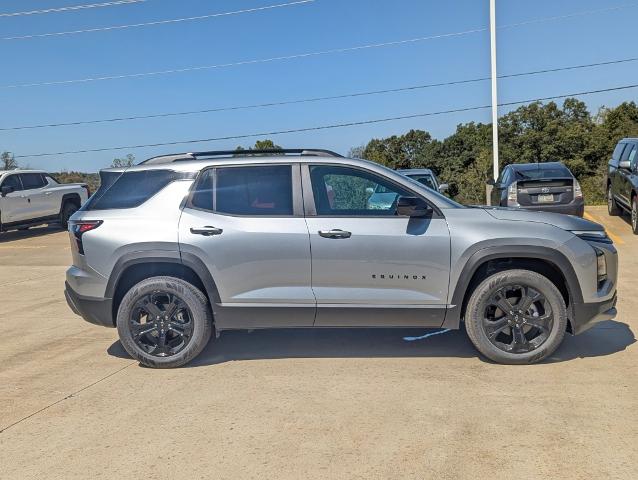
(161, 324)
(517, 318)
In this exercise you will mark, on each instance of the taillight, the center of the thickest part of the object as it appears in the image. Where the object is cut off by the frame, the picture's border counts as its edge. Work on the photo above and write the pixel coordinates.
(80, 227)
(578, 192)
(512, 195)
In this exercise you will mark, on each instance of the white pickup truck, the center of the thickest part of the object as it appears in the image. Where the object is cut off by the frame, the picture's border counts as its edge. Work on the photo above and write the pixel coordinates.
(33, 197)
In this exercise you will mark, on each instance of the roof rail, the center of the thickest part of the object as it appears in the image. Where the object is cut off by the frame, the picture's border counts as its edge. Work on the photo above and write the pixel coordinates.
(183, 157)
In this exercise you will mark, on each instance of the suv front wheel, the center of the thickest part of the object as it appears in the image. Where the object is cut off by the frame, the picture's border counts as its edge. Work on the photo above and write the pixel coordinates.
(164, 322)
(516, 317)
(612, 207)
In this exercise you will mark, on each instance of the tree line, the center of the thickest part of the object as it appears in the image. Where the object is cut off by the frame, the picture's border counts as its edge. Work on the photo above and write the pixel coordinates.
(532, 133)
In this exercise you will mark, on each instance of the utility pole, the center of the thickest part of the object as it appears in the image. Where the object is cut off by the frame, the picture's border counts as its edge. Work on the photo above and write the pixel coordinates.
(494, 86)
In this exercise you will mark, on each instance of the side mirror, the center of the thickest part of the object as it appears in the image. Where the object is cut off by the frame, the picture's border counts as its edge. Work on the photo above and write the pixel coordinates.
(626, 164)
(369, 190)
(491, 181)
(413, 207)
(6, 190)
(443, 188)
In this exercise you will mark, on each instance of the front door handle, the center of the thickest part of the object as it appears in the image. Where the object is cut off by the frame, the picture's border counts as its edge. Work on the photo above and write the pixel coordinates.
(335, 233)
(207, 231)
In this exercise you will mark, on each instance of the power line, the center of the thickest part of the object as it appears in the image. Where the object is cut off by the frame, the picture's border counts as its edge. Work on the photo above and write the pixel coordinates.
(326, 127)
(315, 99)
(158, 22)
(71, 8)
(307, 54)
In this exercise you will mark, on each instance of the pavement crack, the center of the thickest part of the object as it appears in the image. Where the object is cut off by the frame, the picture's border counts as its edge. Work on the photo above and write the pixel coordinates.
(71, 395)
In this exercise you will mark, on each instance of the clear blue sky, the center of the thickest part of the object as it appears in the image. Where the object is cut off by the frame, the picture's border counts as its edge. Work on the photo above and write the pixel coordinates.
(324, 24)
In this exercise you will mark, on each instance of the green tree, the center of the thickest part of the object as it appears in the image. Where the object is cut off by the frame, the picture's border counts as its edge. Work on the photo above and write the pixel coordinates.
(127, 161)
(8, 161)
(398, 151)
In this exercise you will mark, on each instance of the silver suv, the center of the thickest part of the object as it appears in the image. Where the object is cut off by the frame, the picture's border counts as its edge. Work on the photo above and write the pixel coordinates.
(179, 246)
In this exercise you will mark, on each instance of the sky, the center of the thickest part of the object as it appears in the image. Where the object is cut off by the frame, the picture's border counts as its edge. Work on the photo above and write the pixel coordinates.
(314, 26)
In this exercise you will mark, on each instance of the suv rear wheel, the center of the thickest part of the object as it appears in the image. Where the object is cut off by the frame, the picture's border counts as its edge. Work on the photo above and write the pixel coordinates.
(164, 322)
(516, 317)
(612, 207)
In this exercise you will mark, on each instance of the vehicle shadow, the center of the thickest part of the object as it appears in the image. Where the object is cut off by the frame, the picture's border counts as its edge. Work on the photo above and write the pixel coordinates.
(32, 232)
(605, 339)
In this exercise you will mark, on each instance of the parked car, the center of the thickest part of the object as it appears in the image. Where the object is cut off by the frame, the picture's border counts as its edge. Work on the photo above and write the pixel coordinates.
(622, 181)
(179, 246)
(33, 197)
(549, 187)
(425, 176)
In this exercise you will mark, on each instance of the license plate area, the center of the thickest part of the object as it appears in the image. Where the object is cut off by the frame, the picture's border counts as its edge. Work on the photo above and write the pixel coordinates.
(546, 198)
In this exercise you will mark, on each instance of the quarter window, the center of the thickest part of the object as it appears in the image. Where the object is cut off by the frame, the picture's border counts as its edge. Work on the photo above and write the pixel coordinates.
(353, 192)
(251, 190)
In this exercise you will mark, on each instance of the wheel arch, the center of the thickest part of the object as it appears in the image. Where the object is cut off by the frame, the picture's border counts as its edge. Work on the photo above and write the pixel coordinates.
(138, 266)
(545, 261)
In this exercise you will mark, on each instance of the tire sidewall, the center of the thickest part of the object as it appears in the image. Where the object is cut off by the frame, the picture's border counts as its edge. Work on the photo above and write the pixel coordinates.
(478, 302)
(68, 209)
(634, 215)
(196, 302)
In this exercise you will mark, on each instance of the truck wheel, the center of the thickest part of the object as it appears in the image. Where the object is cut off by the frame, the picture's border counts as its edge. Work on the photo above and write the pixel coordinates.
(516, 317)
(164, 322)
(68, 209)
(612, 207)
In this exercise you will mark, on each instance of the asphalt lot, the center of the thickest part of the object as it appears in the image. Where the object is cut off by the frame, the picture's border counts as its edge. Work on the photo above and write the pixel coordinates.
(305, 404)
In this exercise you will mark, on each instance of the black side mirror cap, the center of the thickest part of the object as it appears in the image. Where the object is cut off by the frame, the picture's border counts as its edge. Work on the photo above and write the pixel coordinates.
(491, 181)
(413, 207)
(7, 190)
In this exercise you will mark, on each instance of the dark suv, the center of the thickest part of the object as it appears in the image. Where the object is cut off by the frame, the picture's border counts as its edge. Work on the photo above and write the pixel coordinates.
(622, 181)
(548, 186)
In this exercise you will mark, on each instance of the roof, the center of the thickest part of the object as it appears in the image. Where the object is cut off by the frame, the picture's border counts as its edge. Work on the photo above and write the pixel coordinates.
(21, 170)
(537, 166)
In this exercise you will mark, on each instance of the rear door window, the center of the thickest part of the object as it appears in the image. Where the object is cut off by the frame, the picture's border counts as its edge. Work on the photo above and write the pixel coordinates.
(246, 190)
(31, 181)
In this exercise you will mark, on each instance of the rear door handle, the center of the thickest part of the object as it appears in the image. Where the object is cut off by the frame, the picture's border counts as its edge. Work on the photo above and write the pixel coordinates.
(335, 233)
(207, 231)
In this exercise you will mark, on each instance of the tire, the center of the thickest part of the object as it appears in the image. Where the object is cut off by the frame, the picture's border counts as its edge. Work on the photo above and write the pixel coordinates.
(612, 207)
(634, 215)
(527, 342)
(68, 209)
(186, 331)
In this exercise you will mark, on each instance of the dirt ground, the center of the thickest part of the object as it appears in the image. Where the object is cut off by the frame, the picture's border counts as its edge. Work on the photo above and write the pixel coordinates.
(305, 404)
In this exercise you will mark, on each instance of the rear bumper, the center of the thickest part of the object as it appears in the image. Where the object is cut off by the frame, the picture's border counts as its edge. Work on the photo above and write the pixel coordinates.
(586, 315)
(577, 208)
(98, 311)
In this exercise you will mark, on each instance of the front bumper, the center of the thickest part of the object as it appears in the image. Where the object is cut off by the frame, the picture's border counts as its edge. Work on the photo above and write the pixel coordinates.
(586, 315)
(98, 311)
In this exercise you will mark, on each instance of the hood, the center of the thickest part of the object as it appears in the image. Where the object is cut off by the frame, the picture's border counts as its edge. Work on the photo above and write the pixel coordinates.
(566, 222)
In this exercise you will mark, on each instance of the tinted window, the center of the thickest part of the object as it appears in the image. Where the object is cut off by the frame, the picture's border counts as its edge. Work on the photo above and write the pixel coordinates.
(12, 181)
(426, 180)
(130, 189)
(626, 152)
(632, 158)
(254, 190)
(32, 180)
(350, 191)
(547, 172)
(617, 152)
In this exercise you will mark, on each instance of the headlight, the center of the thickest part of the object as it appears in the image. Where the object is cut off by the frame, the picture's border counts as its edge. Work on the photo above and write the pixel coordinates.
(593, 235)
